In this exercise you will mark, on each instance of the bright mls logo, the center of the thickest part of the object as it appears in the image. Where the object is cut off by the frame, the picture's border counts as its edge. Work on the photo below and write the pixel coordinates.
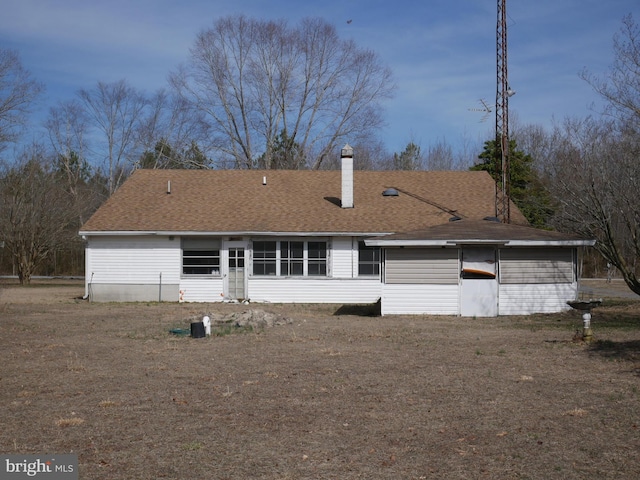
(49, 467)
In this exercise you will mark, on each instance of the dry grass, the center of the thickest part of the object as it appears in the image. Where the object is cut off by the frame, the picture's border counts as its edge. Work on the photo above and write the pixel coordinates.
(327, 396)
(69, 422)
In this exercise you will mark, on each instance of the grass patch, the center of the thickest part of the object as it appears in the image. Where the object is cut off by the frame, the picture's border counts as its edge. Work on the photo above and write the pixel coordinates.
(69, 422)
(612, 350)
(193, 446)
(616, 322)
(217, 330)
(618, 317)
(229, 329)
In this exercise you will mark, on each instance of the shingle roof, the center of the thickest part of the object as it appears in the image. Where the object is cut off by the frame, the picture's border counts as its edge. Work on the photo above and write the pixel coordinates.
(293, 201)
(480, 231)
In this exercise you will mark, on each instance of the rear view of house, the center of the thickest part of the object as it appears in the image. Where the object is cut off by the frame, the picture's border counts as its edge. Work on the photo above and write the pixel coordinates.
(288, 236)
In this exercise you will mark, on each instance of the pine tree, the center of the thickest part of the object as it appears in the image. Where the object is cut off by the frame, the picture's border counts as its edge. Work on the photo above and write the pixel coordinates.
(525, 186)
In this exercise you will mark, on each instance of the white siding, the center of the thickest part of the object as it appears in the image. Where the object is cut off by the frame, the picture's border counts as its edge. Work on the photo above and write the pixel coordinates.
(536, 265)
(201, 289)
(420, 299)
(525, 299)
(422, 265)
(344, 260)
(134, 260)
(314, 290)
(136, 268)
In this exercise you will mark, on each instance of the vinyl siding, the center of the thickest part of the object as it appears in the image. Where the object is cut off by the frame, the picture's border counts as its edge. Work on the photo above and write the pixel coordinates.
(133, 269)
(343, 258)
(133, 260)
(314, 290)
(525, 299)
(536, 265)
(420, 299)
(202, 289)
(422, 266)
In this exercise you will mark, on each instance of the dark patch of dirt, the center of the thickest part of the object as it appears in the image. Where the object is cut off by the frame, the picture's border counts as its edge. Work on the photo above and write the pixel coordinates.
(333, 394)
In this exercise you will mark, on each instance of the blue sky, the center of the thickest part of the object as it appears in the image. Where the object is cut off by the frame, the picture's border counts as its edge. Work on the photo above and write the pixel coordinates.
(442, 52)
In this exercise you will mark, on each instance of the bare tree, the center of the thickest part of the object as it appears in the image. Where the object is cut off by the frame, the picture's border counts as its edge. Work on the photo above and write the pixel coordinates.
(258, 82)
(620, 89)
(370, 153)
(538, 142)
(67, 128)
(168, 133)
(17, 93)
(36, 211)
(595, 177)
(594, 181)
(440, 157)
(115, 110)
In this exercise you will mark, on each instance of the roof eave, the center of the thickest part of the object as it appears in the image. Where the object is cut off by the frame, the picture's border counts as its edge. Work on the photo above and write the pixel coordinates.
(124, 233)
(551, 243)
(506, 243)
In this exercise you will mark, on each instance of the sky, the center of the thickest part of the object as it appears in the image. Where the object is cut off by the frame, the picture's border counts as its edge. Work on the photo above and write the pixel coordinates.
(442, 52)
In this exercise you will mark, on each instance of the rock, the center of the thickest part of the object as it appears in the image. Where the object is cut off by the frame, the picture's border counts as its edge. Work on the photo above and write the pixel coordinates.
(254, 318)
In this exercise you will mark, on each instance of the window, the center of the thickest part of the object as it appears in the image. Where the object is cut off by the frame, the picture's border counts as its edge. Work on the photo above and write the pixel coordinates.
(317, 259)
(264, 258)
(200, 256)
(291, 258)
(288, 258)
(537, 265)
(368, 260)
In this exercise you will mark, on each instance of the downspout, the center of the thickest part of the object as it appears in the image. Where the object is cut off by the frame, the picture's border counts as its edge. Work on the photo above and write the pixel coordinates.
(579, 259)
(88, 291)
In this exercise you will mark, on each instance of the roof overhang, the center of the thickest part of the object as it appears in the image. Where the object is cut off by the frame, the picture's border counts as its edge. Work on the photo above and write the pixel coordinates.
(381, 242)
(129, 233)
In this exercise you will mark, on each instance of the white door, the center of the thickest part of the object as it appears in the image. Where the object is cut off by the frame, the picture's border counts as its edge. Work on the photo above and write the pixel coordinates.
(236, 272)
(479, 283)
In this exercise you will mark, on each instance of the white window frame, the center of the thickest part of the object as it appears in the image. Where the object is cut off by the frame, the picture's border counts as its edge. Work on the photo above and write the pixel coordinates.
(204, 245)
(279, 258)
(361, 244)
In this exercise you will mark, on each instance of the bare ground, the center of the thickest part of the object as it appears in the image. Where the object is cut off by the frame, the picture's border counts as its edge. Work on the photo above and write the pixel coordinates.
(333, 394)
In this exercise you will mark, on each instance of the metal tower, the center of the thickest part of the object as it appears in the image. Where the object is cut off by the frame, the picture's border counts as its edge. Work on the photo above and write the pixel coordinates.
(503, 92)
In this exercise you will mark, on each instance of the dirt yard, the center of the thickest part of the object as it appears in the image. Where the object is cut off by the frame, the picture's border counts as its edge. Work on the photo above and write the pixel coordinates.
(329, 394)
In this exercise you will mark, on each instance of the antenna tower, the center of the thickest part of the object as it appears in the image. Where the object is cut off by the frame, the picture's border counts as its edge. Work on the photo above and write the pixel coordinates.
(503, 92)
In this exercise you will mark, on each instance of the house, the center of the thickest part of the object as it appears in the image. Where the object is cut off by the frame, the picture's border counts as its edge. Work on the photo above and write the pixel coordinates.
(301, 236)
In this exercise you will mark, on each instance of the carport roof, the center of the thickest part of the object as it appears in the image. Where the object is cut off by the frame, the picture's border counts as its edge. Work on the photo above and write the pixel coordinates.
(487, 232)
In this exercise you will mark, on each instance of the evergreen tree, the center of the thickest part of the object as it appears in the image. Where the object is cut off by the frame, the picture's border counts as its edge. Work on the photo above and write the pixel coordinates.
(409, 159)
(525, 186)
(284, 153)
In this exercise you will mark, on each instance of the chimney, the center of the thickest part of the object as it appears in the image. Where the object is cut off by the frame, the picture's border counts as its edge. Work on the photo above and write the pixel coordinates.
(347, 176)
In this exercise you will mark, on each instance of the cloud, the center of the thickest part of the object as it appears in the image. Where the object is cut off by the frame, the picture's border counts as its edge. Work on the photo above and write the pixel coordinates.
(442, 52)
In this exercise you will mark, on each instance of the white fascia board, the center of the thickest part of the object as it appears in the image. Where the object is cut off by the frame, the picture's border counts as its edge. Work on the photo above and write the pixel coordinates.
(551, 243)
(128, 233)
(90, 233)
(478, 242)
(407, 243)
(507, 243)
(116, 233)
(311, 234)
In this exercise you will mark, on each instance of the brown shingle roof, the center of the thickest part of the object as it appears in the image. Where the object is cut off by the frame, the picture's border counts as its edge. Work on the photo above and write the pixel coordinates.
(482, 231)
(296, 201)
